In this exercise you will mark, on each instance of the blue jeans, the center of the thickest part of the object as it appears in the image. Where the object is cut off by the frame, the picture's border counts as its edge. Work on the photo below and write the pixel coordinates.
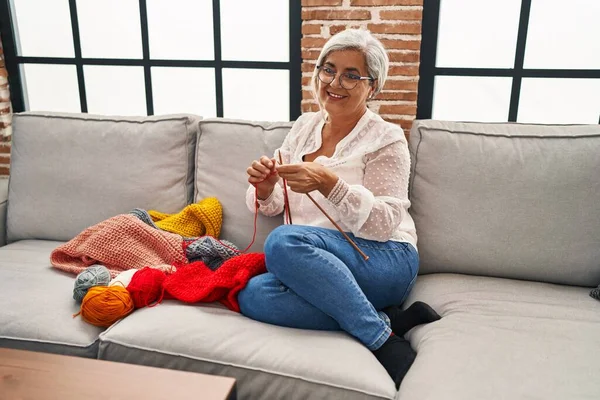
(317, 280)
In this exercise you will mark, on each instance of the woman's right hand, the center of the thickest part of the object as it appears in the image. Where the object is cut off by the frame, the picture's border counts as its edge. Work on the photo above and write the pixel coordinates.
(263, 175)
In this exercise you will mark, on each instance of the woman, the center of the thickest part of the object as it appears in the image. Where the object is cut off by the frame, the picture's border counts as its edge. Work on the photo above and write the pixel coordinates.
(356, 166)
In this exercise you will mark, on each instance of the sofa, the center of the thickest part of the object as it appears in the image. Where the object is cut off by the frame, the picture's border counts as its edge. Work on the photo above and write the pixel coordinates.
(508, 220)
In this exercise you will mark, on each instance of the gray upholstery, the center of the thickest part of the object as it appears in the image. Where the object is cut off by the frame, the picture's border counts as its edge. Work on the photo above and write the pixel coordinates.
(504, 339)
(269, 362)
(494, 200)
(225, 150)
(37, 303)
(70, 171)
(3, 203)
(507, 200)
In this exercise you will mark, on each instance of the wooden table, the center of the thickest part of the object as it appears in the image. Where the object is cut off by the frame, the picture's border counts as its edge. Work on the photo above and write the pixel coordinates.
(28, 375)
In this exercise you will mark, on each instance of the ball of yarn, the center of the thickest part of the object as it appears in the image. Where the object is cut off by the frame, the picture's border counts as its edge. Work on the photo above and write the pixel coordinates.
(105, 305)
(95, 275)
(146, 287)
(123, 278)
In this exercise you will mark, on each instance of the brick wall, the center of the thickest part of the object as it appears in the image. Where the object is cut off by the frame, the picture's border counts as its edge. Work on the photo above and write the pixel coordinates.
(397, 23)
(5, 113)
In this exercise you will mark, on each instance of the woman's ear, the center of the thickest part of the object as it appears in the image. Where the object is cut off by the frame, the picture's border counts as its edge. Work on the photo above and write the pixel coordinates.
(372, 94)
(373, 86)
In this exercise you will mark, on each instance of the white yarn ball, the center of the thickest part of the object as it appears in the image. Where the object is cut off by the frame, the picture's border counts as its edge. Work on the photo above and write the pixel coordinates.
(123, 278)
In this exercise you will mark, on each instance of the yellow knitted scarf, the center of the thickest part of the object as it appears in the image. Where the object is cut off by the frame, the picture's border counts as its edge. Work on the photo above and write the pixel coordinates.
(198, 219)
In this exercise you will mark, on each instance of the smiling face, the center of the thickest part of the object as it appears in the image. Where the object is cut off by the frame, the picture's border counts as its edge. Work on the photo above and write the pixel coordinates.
(337, 100)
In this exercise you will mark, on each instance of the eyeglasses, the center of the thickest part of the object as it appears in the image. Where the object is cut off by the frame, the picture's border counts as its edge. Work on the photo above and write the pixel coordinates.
(347, 80)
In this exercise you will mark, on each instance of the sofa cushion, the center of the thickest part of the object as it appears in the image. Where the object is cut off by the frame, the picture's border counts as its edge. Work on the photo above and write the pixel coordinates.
(226, 148)
(3, 203)
(507, 200)
(37, 303)
(71, 171)
(269, 362)
(504, 339)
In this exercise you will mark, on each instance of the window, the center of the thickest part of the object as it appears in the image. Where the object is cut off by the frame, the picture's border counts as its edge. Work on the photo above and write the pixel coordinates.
(225, 58)
(533, 61)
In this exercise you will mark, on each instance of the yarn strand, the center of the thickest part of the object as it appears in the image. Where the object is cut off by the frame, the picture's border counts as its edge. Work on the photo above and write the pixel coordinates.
(286, 201)
(256, 207)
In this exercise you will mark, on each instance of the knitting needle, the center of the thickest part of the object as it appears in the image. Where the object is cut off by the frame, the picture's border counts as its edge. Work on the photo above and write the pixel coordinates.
(287, 201)
(366, 257)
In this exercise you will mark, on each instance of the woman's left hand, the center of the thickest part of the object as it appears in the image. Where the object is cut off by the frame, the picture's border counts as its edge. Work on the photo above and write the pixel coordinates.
(307, 177)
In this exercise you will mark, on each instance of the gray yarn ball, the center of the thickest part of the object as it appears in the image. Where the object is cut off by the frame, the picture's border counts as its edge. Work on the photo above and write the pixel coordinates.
(94, 275)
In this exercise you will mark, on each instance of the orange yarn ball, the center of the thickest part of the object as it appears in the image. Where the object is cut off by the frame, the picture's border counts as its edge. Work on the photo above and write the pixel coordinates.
(105, 305)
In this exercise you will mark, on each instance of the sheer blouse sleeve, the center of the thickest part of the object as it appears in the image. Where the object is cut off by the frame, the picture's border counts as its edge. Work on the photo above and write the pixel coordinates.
(375, 209)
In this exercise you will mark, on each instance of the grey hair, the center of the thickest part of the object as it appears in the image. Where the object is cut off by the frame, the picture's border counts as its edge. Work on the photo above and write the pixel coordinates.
(362, 40)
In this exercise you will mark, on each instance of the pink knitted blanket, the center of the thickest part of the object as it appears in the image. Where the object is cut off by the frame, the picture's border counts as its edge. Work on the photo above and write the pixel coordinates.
(120, 243)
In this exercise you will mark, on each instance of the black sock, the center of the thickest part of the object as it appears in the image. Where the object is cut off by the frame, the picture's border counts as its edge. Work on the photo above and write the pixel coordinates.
(403, 321)
(396, 356)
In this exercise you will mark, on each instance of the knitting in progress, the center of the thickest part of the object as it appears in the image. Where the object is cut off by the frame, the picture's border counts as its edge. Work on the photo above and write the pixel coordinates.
(195, 282)
(152, 256)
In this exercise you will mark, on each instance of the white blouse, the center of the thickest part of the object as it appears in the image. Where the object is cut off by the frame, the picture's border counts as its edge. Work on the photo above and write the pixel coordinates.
(370, 199)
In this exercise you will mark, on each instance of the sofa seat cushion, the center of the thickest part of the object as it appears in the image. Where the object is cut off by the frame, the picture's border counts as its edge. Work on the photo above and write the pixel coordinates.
(37, 303)
(504, 339)
(269, 362)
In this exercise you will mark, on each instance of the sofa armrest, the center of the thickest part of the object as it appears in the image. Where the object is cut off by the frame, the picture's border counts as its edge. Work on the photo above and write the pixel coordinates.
(3, 204)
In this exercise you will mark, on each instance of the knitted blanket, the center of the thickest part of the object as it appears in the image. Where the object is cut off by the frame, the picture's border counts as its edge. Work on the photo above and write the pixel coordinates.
(209, 250)
(196, 282)
(120, 243)
(197, 219)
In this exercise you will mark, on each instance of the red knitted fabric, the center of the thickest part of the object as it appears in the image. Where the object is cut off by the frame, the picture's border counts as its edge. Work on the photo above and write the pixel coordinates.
(120, 243)
(195, 282)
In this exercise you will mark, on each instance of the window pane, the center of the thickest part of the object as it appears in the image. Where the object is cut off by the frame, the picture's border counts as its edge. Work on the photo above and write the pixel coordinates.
(471, 98)
(43, 28)
(563, 35)
(255, 30)
(184, 90)
(559, 101)
(478, 34)
(181, 29)
(51, 88)
(110, 28)
(256, 94)
(115, 90)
